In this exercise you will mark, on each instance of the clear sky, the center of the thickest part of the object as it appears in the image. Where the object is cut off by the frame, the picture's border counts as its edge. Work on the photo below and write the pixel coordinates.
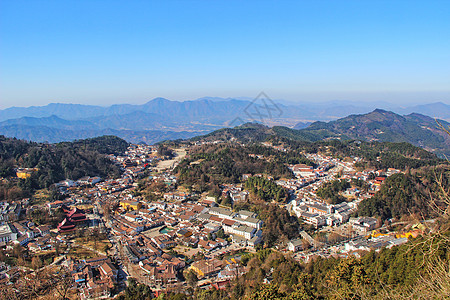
(104, 52)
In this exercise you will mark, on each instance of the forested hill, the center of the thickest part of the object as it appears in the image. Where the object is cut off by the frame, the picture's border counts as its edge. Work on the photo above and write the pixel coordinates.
(107, 144)
(55, 162)
(413, 193)
(249, 132)
(385, 126)
(377, 155)
(378, 126)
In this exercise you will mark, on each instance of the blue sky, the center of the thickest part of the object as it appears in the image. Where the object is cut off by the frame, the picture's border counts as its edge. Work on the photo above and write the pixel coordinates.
(104, 52)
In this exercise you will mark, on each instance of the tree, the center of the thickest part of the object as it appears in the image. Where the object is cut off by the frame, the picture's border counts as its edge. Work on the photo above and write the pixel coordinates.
(57, 248)
(36, 262)
(334, 238)
(267, 292)
(226, 201)
(305, 244)
(220, 234)
(17, 250)
(135, 290)
(266, 190)
(106, 247)
(329, 191)
(191, 278)
(63, 284)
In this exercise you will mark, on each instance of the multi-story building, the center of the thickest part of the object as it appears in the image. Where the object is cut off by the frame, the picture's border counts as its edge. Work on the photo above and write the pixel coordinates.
(7, 234)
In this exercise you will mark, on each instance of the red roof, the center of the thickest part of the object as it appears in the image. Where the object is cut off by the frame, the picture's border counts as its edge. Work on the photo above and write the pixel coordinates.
(66, 226)
(228, 222)
(215, 219)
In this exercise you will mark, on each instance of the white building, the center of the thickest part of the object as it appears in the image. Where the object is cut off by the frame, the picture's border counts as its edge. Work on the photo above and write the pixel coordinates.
(242, 230)
(7, 234)
(363, 224)
(222, 213)
(295, 245)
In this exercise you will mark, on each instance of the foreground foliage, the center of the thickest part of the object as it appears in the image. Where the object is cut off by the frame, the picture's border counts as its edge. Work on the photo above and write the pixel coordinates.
(398, 273)
(407, 194)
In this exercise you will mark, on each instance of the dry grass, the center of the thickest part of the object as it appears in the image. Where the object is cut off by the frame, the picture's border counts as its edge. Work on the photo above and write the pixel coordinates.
(81, 253)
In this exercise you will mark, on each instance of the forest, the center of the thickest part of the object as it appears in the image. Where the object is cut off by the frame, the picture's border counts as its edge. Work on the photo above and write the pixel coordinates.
(55, 162)
(376, 155)
(413, 193)
(207, 166)
(329, 191)
(278, 225)
(266, 190)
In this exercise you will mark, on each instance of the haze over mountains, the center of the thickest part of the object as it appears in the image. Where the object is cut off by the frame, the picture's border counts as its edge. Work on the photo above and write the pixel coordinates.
(161, 119)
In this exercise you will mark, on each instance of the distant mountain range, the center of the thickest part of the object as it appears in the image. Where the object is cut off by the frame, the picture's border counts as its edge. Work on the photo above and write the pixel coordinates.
(161, 119)
(378, 125)
(55, 135)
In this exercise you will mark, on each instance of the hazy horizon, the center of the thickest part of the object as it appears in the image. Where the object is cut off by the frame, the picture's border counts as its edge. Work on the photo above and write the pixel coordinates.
(323, 100)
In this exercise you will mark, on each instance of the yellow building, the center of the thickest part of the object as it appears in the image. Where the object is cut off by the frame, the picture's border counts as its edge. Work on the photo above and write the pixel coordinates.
(130, 205)
(206, 267)
(25, 173)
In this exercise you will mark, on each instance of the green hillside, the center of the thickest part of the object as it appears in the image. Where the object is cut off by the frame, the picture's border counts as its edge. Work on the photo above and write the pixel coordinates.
(55, 162)
(377, 126)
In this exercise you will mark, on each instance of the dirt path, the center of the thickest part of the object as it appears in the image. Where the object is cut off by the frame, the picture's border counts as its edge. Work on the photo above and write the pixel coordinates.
(172, 163)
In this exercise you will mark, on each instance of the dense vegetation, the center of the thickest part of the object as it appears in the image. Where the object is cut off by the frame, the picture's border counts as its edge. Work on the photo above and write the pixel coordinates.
(208, 166)
(379, 125)
(278, 225)
(407, 194)
(415, 270)
(373, 154)
(385, 126)
(378, 155)
(107, 144)
(165, 151)
(55, 162)
(248, 133)
(135, 290)
(266, 190)
(329, 191)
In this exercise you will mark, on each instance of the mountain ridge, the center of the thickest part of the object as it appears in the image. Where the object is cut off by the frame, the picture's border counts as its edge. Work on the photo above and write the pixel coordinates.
(378, 125)
(234, 107)
(181, 119)
(55, 135)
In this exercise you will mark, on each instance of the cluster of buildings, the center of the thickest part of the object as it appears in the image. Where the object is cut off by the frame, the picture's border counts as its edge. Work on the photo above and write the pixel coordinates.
(147, 231)
(137, 155)
(315, 211)
(142, 233)
(235, 191)
(320, 214)
(26, 233)
(11, 211)
(189, 224)
(95, 277)
(305, 175)
(65, 185)
(165, 177)
(243, 226)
